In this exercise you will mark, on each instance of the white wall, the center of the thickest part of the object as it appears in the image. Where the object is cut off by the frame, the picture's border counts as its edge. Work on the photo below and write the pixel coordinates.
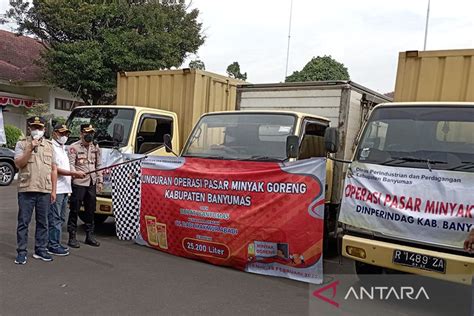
(60, 94)
(17, 117)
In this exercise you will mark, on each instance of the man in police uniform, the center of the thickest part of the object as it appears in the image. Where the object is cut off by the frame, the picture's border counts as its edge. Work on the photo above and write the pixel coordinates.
(84, 156)
(34, 157)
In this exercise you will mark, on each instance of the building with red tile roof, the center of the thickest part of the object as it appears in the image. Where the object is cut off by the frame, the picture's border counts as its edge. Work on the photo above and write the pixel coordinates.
(22, 83)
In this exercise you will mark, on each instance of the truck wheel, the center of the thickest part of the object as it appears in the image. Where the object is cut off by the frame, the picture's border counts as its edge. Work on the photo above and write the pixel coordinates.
(364, 270)
(330, 244)
(7, 172)
(98, 218)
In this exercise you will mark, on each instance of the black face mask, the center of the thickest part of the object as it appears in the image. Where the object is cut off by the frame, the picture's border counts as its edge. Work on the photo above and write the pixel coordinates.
(89, 138)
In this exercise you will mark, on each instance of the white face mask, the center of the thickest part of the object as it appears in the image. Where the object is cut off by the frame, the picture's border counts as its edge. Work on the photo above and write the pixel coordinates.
(62, 140)
(37, 134)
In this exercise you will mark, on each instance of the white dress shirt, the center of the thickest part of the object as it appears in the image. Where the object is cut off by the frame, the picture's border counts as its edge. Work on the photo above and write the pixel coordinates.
(62, 162)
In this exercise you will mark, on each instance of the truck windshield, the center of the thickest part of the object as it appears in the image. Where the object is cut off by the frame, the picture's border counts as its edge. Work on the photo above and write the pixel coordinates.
(103, 120)
(241, 136)
(435, 137)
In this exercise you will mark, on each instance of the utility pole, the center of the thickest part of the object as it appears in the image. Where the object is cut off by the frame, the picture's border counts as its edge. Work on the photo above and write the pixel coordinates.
(426, 27)
(289, 37)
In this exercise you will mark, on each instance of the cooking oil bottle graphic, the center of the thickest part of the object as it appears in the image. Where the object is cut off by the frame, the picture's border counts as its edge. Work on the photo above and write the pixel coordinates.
(156, 232)
(151, 230)
(251, 250)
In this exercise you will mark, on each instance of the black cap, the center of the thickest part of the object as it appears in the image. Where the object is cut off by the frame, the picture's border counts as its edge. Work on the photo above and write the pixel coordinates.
(36, 120)
(61, 128)
(87, 128)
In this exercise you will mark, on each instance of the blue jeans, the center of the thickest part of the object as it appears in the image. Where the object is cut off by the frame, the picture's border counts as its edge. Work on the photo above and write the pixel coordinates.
(56, 217)
(27, 202)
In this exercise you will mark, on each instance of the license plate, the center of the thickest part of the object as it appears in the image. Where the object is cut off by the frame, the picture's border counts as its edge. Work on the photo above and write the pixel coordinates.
(416, 260)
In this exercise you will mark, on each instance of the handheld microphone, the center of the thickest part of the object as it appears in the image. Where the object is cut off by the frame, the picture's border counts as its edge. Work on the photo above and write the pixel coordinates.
(35, 149)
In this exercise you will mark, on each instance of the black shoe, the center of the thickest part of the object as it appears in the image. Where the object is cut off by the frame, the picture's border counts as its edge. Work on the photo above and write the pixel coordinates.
(90, 240)
(73, 243)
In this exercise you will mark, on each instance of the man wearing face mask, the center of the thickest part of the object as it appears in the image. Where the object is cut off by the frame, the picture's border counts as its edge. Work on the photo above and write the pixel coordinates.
(34, 157)
(84, 156)
(57, 210)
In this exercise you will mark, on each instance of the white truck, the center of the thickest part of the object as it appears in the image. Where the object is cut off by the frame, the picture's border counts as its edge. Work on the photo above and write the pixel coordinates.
(345, 103)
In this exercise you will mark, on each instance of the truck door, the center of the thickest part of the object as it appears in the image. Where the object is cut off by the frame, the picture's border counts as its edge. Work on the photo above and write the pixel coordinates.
(149, 138)
(312, 140)
(312, 145)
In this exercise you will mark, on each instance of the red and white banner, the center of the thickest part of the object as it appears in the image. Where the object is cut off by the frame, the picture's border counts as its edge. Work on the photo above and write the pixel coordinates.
(17, 102)
(435, 207)
(260, 217)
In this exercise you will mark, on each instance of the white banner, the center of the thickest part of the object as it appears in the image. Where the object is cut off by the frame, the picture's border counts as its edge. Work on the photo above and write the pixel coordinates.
(434, 207)
(3, 137)
(109, 157)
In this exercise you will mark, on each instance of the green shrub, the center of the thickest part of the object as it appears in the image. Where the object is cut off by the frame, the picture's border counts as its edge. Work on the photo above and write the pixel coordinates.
(58, 120)
(13, 135)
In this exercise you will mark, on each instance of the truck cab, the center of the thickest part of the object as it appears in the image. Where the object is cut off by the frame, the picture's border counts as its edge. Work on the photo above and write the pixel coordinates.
(262, 136)
(123, 130)
(421, 135)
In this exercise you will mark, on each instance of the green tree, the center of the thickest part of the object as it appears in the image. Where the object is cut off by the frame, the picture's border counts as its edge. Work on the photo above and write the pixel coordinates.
(197, 64)
(320, 69)
(233, 70)
(41, 109)
(58, 120)
(88, 42)
(13, 135)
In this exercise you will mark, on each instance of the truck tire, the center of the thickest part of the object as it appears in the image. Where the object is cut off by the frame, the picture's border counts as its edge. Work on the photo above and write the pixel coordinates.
(330, 239)
(7, 173)
(98, 218)
(364, 271)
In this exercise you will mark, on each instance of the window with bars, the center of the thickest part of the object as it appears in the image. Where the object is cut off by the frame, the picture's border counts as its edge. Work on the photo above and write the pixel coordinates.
(66, 105)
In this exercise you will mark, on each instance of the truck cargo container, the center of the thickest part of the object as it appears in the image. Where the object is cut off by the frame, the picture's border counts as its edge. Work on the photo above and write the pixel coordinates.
(187, 92)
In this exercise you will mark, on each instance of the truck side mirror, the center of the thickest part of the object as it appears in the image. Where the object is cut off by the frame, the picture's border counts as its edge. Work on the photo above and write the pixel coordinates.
(118, 133)
(167, 143)
(331, 139)
(292, 146)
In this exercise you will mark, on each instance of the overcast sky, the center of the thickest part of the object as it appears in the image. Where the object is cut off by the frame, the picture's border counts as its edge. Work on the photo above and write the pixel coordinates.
(365, 35)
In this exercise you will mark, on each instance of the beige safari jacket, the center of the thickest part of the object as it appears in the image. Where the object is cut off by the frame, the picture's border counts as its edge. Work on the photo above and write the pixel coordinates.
(36, 175)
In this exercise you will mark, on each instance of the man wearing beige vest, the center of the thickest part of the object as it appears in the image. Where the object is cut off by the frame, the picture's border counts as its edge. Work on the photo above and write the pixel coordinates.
(34, 157)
